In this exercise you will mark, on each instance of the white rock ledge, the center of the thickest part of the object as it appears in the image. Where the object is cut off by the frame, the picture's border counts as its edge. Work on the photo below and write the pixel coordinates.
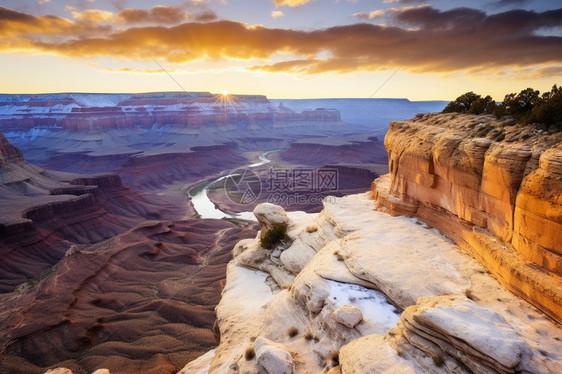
(371, 293)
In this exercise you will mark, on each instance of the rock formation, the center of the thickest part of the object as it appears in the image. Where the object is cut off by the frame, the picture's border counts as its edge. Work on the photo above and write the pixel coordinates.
(102, 112)
(141, 302)
(358, 291)
(494, 188)
(42, 213)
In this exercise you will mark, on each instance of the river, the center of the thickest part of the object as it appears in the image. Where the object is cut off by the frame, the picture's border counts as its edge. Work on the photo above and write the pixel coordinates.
(207, 209)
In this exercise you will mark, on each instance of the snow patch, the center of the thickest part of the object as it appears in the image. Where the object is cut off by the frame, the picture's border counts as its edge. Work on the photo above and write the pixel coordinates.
(373, 304)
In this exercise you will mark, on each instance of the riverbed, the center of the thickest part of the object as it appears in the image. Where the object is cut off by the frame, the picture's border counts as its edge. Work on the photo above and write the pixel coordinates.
(207, 209)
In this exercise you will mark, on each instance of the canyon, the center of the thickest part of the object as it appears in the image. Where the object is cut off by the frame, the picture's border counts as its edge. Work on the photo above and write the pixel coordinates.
(448, 263)
(355, 289)
(100, 255)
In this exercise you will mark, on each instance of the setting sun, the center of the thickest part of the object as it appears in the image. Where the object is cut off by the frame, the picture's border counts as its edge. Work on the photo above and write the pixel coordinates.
(224, 93)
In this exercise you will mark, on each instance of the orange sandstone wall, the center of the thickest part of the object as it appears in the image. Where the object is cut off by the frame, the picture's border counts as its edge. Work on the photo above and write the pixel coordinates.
(494, 188)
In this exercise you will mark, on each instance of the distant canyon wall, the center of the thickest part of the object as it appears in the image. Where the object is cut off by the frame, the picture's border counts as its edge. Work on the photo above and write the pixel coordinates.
(102, 112)
(494, 188)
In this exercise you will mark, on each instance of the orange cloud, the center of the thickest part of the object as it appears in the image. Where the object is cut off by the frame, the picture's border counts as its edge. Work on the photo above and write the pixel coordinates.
(291, 3)
(138, 71)
(371, 15)
(423, 39)
(14, 25)
(91, 15)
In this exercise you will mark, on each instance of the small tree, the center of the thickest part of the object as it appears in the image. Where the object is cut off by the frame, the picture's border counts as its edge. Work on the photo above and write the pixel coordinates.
(482, 105)
(522, 103)
(462, 103)
(549, 110)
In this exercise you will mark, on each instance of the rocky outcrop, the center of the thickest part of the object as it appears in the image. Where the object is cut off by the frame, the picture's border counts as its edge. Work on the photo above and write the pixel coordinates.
(454, 329)
(8, 153)
(370, 293)
(494, 188)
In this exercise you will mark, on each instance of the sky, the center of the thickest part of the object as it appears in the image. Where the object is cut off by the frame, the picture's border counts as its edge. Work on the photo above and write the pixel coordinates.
(415, 49)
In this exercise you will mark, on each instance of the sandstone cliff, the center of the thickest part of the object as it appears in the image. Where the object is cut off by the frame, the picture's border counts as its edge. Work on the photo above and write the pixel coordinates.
(494, 188)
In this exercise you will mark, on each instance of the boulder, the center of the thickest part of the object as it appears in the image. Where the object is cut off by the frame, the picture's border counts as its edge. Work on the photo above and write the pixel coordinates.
(272, 357)
(478, 337)
(269, 215)
(348, 315)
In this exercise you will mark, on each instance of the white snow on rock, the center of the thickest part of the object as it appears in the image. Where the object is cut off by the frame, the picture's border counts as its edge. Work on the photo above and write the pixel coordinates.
(372, 304)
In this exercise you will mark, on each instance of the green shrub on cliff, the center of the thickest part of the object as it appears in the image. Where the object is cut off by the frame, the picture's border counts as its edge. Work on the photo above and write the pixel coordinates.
(276, 235)
(527, 106)
(471, 103)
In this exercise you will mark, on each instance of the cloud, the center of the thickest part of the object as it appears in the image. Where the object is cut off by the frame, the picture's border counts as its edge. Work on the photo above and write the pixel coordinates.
(91, 15)
(205, 16)
(276, 14)
(509, 3)
(422, 39)
(371, 15)
(291, 3)
(404, 1)
(167, 15)
(14, 26)
(138, 71)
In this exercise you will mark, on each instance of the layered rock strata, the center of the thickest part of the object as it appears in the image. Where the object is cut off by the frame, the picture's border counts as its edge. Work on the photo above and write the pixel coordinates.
(43, 213)
(357, 291)
(494, 188)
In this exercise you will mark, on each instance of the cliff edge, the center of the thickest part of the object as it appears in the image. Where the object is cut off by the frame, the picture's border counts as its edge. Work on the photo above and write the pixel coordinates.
(354, 290)
(494, 188)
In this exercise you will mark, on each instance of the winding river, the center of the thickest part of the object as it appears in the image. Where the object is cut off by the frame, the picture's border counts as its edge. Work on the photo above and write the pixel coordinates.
(207, 209)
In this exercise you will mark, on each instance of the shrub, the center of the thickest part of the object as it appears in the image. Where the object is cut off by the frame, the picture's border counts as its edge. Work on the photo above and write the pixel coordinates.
(275, 236)
(311, 229)
(438, 361)
(292, 332)
(462, 103)
(250, 353)
(308, 336)
(527, 106)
